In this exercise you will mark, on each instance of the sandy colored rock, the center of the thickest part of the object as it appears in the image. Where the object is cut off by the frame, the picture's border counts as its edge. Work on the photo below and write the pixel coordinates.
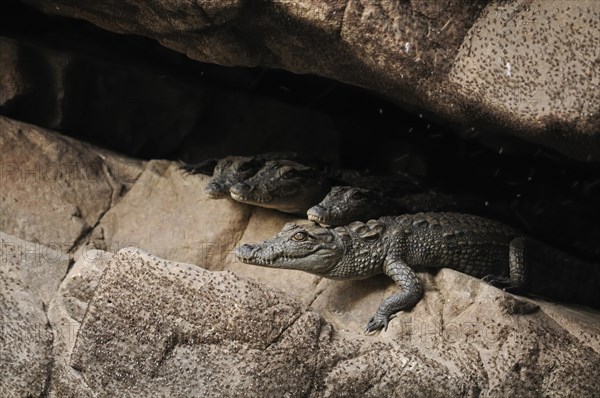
(178, 330)
(517, 67)
(29, 278)
(174, 329)
(191, 227)
(54, 189)
(531, 65)
(65, 314)
(40, 268)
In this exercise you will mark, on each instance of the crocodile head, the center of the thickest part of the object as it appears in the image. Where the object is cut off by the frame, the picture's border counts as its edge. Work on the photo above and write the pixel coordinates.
(344, 205)
(305, 247)
(284, 185)
(230, 171)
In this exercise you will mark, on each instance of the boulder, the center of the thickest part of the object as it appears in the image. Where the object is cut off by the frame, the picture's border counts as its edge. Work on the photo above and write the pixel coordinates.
(29, 278)
(193, 227)
(54, 189)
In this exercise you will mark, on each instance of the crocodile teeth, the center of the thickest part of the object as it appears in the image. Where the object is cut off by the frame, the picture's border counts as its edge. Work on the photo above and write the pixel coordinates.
(256, 199)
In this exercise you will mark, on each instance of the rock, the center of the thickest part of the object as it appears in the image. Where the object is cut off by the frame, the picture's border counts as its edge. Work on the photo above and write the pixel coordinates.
(518, 67)
(193, 227)
(54, 189)
(217, 339)
(29, 277)
(65, 314)
(31, 85)
(158, 327)
(528, 65)
(11, 79)
(40, 268)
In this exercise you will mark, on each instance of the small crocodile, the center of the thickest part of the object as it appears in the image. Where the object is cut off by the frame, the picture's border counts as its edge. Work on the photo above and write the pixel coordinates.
(231, 170)
(293, 187)
(346, 204)
(285, 185)
(399, 246)
(226, 172)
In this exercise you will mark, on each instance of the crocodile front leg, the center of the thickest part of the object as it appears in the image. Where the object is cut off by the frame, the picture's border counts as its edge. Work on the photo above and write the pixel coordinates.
(411, 292)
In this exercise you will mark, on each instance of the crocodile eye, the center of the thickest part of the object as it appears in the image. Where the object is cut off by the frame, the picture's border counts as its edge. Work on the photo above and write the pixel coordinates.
(299, 236)
(290, 174)
(358, 195)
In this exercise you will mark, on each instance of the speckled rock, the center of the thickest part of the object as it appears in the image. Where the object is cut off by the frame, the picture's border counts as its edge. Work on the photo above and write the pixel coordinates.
(167, 329)
(523, 67)
(158, 327)
(55, 189)
(531, 64)
(29, 278)
(65, 313)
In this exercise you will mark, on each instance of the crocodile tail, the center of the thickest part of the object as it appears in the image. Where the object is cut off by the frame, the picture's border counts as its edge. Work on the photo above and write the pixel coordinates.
(558, 275)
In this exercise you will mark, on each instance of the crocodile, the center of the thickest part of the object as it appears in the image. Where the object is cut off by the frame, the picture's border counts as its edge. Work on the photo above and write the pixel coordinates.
(399, 246)
(231, 170)
(345, 204)
(293, 187)
(226, 172)
(285, 185)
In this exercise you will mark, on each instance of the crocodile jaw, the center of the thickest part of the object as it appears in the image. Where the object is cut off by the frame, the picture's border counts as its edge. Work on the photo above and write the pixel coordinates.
(257, 200)
(318, 253)
(268, 257)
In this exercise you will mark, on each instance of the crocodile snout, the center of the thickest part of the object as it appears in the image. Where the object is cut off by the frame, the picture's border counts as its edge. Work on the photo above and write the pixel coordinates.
(215, 190)
(253, 254)
(241, 188)
(317, 214)
(245, 251)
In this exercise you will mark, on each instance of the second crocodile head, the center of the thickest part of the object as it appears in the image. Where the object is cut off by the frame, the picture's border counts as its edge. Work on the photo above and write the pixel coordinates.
(345, 204)
(284, 185)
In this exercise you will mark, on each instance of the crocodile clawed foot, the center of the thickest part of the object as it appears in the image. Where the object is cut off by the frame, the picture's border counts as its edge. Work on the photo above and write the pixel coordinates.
(378, 322)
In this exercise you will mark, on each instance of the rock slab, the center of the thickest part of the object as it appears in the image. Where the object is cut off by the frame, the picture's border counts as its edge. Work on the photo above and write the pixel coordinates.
(158, 327)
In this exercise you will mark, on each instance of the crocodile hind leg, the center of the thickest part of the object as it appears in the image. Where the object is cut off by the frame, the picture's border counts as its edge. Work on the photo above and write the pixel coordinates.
(411, 292)
(517, 269)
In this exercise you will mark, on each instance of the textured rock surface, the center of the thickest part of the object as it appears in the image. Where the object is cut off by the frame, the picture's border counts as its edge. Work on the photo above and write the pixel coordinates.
(533, 66)
(173, 329)
(126, 323)
(49, 180)
(65, 314)
(29, 277)
(522, 67)
(193, 228)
